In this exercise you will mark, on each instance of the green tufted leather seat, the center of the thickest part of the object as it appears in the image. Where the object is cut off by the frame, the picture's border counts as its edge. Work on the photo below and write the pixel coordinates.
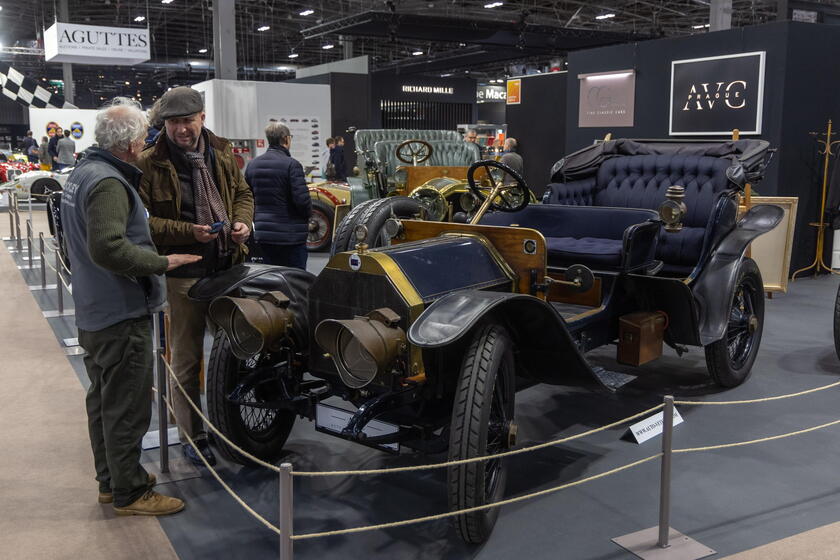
(365, 139)
(444, 152)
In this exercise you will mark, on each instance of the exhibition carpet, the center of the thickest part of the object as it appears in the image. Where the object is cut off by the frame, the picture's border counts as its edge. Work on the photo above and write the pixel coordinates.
(48, 506)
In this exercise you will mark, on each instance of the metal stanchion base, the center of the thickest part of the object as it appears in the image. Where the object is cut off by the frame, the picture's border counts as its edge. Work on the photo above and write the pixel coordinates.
(644, 545)
(70, 342)
(56, 313)
(179, 469)
(40, 287)
(74, 351)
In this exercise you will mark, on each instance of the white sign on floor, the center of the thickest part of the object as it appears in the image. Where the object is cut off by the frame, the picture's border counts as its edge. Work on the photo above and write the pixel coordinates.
(652, 426)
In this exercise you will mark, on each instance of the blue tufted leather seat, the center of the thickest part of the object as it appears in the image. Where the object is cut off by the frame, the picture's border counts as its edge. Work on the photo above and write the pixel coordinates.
(640, 181)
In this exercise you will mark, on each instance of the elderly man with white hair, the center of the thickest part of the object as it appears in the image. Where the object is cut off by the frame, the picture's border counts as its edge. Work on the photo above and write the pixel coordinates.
(118, 285)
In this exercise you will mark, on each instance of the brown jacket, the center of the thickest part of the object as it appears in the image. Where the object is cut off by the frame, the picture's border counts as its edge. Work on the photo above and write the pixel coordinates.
(160, 191)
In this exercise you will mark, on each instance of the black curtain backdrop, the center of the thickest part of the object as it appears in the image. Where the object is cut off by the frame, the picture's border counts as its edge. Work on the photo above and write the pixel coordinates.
(491, 113)
(539, 125)
(801, 85)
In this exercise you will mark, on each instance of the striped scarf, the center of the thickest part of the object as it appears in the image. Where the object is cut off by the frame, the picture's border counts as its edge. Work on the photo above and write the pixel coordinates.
(209, 207)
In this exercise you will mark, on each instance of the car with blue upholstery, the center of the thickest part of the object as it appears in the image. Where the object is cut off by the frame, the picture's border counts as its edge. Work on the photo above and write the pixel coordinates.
(423, 343)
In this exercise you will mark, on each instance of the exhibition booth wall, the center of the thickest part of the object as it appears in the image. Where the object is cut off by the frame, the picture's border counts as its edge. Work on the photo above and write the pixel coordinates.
(538, 122)
(240, 111)
(422, 102)
(796, 96)
(81, 122)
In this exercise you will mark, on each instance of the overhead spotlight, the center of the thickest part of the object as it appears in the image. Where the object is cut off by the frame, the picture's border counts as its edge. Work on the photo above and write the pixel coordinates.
(263, 28)
(140, 18)
(128, 83)
(328, 46)
(307, 12)
(494, 4)
(417, 53)
(166, 1)
(700, 26)
(294, 55)
(202, 51)
(605, 16)
(445, 75)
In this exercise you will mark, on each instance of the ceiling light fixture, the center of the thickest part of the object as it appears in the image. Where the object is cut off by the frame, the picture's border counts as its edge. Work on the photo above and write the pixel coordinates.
(202, 51)
(605, 16)
(294, 55)
(307, 12)
(328, 46)
(140, 18)
(700, 26)
(263, 28)
(166, 1)
(417, 53)
(494, 4)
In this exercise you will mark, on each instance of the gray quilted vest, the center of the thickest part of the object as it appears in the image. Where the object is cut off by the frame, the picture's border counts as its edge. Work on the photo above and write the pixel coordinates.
(103, 298)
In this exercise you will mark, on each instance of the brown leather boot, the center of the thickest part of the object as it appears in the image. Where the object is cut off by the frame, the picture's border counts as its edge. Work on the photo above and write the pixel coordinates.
(152, 503)
(108, 497)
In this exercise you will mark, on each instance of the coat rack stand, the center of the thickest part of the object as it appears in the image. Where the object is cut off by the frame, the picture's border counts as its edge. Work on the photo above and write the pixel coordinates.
(819, 264)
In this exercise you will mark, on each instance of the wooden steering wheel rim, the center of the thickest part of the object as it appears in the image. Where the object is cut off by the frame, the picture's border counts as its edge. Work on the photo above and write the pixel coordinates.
(408, 144)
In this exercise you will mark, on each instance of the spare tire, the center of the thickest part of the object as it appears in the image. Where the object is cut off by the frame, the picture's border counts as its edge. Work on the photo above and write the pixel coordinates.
(373, 214)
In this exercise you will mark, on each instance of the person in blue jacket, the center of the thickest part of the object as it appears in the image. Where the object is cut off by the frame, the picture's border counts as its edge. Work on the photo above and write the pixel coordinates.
(282, 205)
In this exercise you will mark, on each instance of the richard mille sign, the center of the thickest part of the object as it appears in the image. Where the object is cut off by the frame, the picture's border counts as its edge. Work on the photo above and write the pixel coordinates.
(712, 96)
(441, 90)
(89, 44)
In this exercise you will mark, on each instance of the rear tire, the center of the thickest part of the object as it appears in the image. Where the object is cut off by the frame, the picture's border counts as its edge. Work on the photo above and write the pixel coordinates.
(730, 359)
(41, 186)
(837, 324)
(260, 432)
(373, 214)
(322, 216)
(481, 416)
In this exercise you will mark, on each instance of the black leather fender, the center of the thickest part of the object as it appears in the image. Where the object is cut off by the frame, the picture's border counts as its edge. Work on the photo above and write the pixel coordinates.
(544, 346)
(253, 279)
(714, 285)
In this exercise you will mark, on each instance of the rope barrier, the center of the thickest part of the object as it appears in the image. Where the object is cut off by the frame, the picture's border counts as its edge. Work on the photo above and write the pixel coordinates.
(473, 509)
(751, 442)
(766, 399)
(259, 461)
(216, 475)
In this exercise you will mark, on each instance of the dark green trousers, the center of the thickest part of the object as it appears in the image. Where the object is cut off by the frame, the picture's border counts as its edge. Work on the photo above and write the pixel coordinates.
(119, 404)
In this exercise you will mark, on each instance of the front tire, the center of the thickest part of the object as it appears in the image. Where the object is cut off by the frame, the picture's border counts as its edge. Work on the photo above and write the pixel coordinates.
(321, 226)
(482, 417)
(261, 432)
(730, 359)
(41, 186)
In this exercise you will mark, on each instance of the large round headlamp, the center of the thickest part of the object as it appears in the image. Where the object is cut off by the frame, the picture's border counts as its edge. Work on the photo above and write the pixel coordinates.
(468, 202)
(364, 347)
(253, 325)
(432, 202)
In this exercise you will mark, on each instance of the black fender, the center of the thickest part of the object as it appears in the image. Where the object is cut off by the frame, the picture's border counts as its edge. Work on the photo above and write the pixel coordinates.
(544, 346)
(254, 279)
(713, 287)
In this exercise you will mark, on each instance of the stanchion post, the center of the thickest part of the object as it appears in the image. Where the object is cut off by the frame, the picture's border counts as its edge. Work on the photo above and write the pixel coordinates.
(286, 514)
(159, 371)
(43, 260)
(59, 284)
(665, 483)
(11, 219)
(29, 241)
(18, 243)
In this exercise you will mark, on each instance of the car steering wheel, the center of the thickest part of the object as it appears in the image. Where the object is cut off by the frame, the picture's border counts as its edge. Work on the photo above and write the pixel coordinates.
(511, 197)
(414, 151)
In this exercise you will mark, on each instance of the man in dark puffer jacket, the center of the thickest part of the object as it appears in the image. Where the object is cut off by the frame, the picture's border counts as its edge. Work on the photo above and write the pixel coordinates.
(282, 205)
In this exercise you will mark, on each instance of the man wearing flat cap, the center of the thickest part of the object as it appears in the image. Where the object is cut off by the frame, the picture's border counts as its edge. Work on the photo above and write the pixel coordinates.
(190, 182)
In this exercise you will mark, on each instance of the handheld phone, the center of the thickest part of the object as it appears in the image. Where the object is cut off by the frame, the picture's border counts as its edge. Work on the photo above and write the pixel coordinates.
(217, 227)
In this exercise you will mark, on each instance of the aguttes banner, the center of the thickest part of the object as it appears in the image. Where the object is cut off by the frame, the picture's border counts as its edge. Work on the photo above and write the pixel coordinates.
(89, 44)
(713, 95)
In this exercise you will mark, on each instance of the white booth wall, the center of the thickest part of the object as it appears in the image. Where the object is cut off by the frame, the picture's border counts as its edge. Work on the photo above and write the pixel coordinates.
(40, 118)
(240, 111)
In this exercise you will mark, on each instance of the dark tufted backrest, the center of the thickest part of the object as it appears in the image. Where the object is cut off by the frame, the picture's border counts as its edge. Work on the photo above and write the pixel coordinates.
(641, 181)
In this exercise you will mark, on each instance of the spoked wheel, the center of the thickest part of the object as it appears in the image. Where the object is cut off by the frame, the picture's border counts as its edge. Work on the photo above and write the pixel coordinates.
(482, 424)
(259, 430)
(730, 359)
(320, 227)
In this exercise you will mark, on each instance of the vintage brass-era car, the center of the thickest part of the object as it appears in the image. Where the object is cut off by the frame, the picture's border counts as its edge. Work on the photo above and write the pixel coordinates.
(427, 340)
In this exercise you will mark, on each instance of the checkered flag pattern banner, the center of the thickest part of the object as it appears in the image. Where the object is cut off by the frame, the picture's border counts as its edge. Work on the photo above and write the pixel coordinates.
(18, 87)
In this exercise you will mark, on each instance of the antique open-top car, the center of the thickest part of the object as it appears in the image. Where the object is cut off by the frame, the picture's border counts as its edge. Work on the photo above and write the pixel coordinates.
(426, 340)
